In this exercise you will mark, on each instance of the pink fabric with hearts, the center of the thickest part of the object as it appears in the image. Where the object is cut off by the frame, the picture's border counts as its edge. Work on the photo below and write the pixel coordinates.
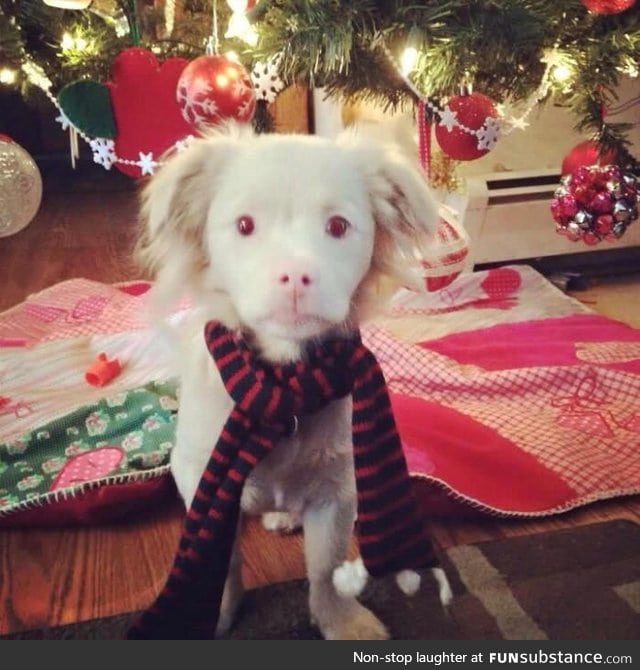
(96, 464)
(75, 308)
(510, 419)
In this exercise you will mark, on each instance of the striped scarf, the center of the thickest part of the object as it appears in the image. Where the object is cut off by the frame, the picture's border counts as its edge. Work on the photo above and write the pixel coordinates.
(268, 399)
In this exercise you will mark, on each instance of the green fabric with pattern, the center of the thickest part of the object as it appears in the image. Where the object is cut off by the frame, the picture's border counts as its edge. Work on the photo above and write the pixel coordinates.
(122, 437)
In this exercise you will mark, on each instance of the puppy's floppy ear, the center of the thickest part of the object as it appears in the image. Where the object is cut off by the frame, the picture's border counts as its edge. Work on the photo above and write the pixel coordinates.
(175, 203)
(403, 207)
(174, 208)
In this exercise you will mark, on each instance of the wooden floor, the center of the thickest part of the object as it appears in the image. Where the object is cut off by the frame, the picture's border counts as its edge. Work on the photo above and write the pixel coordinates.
(61, 576)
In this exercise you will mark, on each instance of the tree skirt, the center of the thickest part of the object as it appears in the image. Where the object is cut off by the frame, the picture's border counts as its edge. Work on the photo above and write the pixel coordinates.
(510, 398)
(71, 452)
(523, 419)
(577, 584)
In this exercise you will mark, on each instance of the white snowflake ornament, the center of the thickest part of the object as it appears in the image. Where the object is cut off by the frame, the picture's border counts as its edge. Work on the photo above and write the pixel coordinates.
(63, 120)
(488, 134)
(146, 164)
(183, 144)
(266, 79)
(448, 118)
(103, 152)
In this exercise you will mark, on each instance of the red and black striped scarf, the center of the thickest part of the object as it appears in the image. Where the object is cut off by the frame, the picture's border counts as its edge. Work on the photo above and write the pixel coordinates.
(268, 399)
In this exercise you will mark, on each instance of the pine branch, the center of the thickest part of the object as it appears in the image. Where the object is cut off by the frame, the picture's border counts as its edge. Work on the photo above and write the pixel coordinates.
(11, 42)
(498, 46)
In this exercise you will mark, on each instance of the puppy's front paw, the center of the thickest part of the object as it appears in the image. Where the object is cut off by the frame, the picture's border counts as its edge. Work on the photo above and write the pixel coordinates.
(282, 522)
(361, 624)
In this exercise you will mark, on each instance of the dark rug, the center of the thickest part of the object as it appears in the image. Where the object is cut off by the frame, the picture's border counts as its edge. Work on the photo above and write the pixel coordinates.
(577, 584)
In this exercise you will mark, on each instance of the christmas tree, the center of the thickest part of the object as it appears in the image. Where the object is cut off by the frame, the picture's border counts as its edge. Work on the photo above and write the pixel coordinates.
(517, 53)
(511, 51)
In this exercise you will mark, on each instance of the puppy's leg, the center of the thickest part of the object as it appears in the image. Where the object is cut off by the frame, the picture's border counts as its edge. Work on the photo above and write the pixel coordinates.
(204, 407)
(327, 531)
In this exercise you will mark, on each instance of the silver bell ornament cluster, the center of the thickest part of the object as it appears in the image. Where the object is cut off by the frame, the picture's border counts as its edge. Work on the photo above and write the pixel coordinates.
(595, 203)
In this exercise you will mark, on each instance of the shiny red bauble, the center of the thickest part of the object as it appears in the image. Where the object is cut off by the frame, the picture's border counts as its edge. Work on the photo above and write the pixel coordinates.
(212, 89)
(584, 154)
(608, 6)
(472, 112)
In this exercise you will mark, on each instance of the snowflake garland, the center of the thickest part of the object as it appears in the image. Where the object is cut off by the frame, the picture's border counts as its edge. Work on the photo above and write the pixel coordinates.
(487, 135)
(103, 149)
(492, 129)
(104, 154)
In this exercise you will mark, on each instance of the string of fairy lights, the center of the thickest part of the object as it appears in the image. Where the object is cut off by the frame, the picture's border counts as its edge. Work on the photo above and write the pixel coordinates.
(558, 72)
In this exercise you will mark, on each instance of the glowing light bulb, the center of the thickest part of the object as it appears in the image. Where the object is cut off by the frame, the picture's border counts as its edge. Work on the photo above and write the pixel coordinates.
(67, 43)
(408, 60)
(562, 73)
(238, 5)
(630, 68)
(240, 27)
(8, 76)
(68, 4)
(560, 66)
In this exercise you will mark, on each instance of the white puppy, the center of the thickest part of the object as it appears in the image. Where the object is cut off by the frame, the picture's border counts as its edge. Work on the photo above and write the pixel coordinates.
(286, 238)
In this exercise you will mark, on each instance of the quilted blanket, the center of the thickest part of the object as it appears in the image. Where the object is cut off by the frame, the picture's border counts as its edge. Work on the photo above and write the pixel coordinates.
(70, 451)
(510, 397)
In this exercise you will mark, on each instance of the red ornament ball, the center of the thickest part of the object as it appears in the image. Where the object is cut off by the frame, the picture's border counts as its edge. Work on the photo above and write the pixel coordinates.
(477, 113)
(595, 203)
(584, 154)
(212, 89)
(608, 6)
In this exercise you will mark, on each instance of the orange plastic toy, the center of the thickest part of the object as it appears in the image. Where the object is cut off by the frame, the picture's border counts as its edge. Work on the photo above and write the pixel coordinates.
(102, 370)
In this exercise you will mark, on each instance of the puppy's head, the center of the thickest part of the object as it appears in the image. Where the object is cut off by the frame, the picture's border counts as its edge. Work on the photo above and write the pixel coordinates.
(284, 235)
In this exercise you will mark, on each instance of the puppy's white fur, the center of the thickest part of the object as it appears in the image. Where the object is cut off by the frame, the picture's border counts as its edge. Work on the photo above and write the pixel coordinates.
(288, 281)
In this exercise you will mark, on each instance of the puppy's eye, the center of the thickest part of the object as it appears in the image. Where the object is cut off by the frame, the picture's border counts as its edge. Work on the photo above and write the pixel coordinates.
(337, 226)
(245, 225)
